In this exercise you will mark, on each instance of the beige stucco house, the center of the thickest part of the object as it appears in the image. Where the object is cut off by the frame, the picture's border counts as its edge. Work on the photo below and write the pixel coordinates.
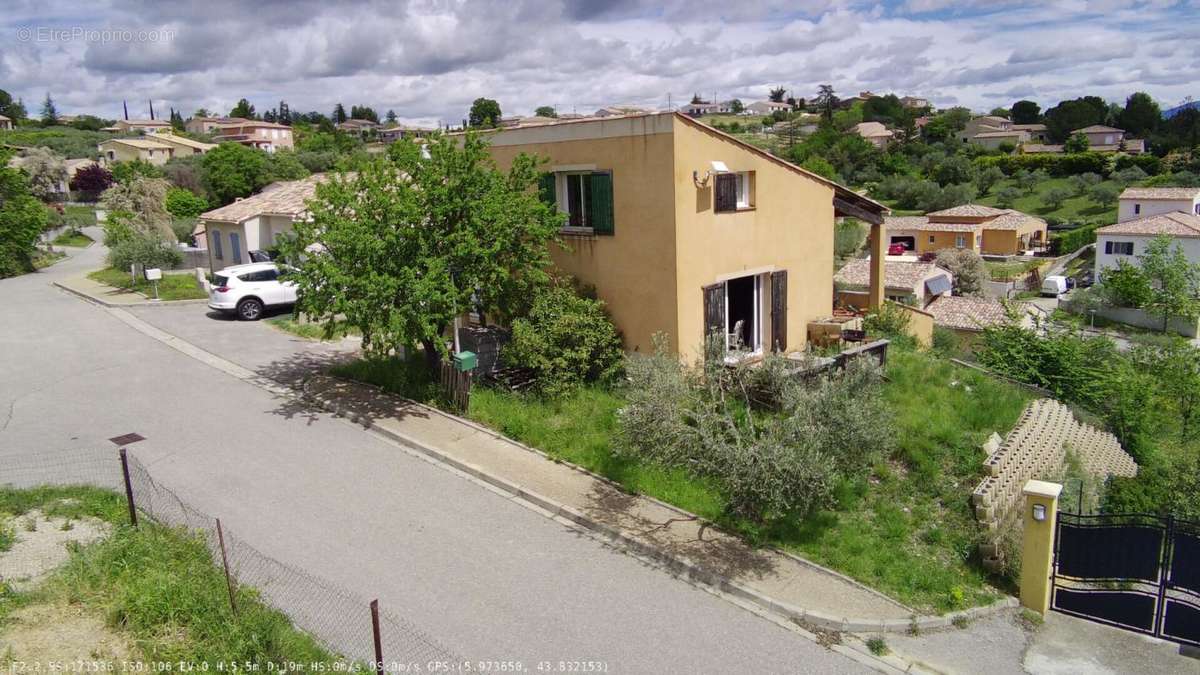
(183, 146)
(140, 126)
(5, 123)
(874, 133)
(254, 223)
(983, 229)
(130, 149)
(684, 230)
(208, 125)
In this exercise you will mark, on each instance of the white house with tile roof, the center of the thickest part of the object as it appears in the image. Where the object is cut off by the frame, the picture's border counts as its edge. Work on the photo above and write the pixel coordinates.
(1128, 239)
(1139, 202)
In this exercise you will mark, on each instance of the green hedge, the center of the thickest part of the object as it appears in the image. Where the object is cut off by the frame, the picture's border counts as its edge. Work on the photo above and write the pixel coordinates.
(1055, 165)
(1073, 240)
(1148, 163)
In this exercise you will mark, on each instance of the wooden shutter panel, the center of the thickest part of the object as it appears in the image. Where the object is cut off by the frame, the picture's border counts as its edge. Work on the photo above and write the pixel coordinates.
(600, 208)
(546, 187)
(714, 309)
(726, 192)
(779, 311)
(1108, 247)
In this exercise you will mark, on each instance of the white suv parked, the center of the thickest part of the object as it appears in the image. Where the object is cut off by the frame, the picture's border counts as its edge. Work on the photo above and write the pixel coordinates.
(248, 289)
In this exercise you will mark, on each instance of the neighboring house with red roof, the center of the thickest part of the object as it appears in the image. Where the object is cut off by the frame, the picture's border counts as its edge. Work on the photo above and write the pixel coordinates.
(1128, 239)
(910, 283)
(984, 229)
(267, 136)
(972, 315)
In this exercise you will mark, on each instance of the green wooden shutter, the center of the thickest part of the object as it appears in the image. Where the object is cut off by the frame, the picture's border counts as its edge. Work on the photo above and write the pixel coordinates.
(546, 187)
(600, 209)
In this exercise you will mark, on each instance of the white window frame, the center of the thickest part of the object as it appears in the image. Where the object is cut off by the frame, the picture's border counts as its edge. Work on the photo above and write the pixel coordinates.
(960, 241)
(562, 195)
(743, 189)
(756, 321)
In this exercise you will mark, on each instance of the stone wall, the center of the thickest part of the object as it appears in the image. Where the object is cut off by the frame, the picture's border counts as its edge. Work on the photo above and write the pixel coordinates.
(1036, 448)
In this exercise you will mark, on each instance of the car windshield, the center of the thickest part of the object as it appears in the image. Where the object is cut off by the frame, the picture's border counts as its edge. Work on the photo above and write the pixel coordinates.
(220, 280)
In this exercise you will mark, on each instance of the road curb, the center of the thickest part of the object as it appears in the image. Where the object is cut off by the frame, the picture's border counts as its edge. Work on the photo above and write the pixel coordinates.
(122, 305)
(678, 565)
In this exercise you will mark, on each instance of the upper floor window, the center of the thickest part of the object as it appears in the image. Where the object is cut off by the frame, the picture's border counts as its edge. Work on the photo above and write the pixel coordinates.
(734, 191)
(1118, 247)
(585, 196)
(1137, 208)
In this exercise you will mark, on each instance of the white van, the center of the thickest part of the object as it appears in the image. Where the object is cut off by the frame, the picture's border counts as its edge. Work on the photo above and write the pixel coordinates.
(1054, 286)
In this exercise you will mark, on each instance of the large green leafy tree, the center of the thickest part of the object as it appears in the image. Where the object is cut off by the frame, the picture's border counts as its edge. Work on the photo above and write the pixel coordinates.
(1141, 115)
(1078, 113)
(22, 219)
(1026, 112)
(232, 170)
(485, 112)
(1174, 280)
(412, 240)
(244, 110)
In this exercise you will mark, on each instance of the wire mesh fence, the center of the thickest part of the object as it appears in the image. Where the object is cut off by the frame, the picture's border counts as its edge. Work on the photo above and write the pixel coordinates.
(336, 617)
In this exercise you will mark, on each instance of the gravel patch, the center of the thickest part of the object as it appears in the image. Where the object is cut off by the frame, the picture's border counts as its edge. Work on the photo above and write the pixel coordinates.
(41, 545)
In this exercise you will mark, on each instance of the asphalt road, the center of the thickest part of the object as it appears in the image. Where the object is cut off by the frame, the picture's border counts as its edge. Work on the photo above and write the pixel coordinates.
(488, 578)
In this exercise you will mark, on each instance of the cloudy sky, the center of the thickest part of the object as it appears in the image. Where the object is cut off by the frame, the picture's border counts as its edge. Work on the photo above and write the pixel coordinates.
(427, 60)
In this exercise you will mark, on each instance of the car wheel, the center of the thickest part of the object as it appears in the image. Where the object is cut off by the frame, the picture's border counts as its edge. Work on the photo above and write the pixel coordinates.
(249, 310)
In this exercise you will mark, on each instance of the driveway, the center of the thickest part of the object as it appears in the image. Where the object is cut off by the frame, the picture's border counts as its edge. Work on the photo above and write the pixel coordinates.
(484, 576)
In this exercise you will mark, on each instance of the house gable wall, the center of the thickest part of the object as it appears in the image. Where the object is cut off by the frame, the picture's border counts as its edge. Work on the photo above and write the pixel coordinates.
(790, 227)
(633, 270)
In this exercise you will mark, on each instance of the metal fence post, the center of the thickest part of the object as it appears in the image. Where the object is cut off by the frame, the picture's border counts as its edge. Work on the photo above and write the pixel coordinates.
(128, 488)
(225, 564)
(375, 633)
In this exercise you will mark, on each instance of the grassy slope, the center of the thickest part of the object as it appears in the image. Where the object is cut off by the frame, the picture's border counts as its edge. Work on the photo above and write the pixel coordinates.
(908, 532)
(171, 287)
(159, 585)
(1073, 209)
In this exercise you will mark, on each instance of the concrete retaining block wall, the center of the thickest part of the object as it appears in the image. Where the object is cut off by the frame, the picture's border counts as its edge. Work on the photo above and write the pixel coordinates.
(1037, 448)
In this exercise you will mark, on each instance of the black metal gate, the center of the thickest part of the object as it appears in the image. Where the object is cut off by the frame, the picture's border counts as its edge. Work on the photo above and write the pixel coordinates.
(1133, 571)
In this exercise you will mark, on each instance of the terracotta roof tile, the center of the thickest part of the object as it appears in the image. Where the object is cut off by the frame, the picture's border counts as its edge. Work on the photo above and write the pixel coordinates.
(900, 274)
(1175, 224)
(965, 313)
(969, 210)
(1161, 193)
(286, 198)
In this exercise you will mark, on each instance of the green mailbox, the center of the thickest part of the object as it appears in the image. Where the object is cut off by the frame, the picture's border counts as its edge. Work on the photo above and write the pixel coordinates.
(464, 361)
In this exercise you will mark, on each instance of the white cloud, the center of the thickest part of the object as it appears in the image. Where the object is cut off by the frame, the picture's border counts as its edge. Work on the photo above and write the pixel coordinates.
(427, 59)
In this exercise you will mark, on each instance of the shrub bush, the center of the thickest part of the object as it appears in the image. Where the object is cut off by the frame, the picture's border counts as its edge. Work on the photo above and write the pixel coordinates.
(1055, 165)
(183, 203)
(708, 419)
(1146, 162)
(567, 339)
(888, 320)
(966, 267)
(1069, 241)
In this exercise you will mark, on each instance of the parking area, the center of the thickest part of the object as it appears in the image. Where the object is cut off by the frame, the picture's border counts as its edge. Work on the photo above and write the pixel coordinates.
(252, 344)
